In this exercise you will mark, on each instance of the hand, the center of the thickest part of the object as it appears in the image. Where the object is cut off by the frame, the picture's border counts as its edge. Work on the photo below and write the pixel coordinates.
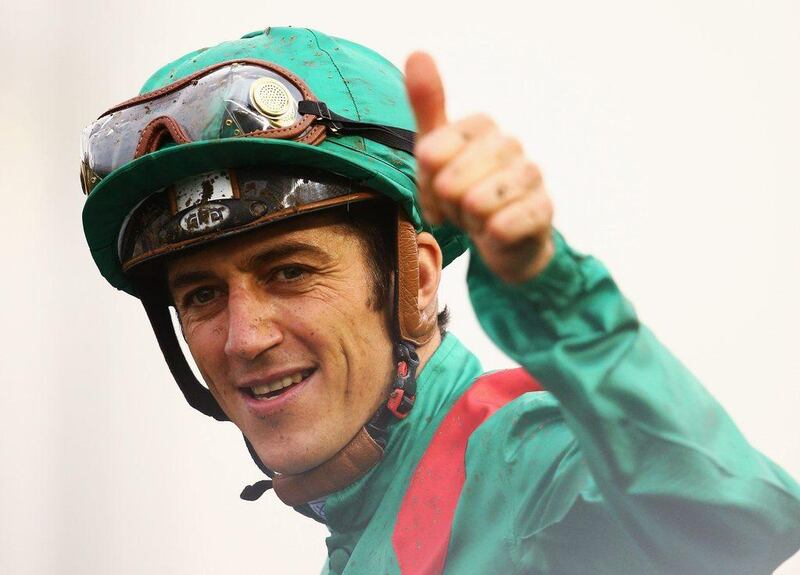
(470, 173)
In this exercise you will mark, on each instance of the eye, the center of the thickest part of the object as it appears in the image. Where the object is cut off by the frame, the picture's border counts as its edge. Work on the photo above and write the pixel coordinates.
(290, 273)
(201, 296)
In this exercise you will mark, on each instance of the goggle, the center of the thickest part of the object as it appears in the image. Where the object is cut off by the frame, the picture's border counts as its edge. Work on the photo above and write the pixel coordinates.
(245, 98)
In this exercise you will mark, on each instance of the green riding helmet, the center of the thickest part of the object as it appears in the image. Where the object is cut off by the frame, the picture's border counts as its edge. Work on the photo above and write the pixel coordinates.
(203, 129)
(225, 139)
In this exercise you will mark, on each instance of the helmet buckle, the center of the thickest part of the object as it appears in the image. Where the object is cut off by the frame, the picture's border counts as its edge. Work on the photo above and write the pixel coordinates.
(400, 404)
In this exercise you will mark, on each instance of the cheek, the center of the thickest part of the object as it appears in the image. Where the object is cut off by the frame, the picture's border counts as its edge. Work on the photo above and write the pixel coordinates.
(348, 333)
(368, 353)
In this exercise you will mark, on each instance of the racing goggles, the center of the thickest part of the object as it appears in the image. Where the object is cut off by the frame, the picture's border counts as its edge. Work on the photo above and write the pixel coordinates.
(245, 98)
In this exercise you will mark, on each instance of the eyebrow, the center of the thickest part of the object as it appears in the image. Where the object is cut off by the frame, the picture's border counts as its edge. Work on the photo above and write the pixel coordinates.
(286, 249)
(188, 278)
(278, 252)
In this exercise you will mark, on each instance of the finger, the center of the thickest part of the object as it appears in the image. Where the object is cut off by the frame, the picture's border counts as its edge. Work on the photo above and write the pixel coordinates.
(475, 125)
(435, 150)
(426, 92)
(438, 147)
(430, 209)
(479, 159)
(528, 217)
(489, 195)
(517, 242)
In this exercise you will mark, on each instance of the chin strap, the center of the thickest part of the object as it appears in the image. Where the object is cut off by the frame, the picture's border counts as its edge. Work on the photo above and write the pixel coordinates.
(257, 489)
(195, 393)
(403, 393)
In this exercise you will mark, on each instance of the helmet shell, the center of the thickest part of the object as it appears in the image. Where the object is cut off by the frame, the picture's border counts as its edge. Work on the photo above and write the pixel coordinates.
(351, 79)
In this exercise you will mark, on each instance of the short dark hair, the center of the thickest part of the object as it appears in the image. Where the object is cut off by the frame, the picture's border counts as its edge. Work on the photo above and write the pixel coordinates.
(374, 222)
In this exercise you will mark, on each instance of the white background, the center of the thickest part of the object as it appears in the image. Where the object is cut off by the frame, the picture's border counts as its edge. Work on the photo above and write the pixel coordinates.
(668, 136)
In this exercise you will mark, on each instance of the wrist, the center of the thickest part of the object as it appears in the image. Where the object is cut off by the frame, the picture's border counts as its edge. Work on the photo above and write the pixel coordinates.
(540, 261)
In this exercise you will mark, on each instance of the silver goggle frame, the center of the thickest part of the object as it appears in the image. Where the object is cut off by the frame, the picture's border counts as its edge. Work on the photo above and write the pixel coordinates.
(229, 99)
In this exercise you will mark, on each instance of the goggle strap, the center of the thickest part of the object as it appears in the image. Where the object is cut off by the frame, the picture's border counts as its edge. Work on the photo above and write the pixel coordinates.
(391, 136)
(196, 395)
(156, 131)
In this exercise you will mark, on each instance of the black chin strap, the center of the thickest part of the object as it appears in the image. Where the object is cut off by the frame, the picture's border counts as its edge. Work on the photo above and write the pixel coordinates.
(196, 394)
(257, 489)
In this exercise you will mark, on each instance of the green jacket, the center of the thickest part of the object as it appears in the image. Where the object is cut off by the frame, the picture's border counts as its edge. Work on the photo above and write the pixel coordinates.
(624, 465)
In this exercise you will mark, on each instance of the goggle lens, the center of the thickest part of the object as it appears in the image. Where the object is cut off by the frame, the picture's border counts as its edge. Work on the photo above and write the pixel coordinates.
(233, 100)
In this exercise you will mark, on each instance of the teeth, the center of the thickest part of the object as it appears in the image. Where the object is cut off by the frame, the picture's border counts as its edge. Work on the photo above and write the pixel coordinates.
(279, 384)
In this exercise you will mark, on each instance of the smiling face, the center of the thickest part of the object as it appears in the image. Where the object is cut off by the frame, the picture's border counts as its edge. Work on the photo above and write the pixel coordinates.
(282, 327)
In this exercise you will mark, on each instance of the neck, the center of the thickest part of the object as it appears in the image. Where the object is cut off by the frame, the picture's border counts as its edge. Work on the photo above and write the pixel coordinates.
(426, 350)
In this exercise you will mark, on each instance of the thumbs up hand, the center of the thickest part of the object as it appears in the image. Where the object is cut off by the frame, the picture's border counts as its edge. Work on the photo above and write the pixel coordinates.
(478, 178)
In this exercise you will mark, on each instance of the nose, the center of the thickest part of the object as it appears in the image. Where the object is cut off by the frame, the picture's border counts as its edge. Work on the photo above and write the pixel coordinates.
(251, 326)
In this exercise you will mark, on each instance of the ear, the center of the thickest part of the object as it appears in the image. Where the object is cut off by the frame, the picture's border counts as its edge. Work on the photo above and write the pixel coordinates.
(430, 272)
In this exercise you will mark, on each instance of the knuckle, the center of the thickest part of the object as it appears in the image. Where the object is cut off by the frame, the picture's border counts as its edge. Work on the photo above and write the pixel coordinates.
(443, 187)
(473, 202)
(531, 209)
(426, 154)
(482, 120)
(532, 213)
(498, 229)
(475, 124)
(541, 206)
(433, 150)
(531, 174)
(512, 144)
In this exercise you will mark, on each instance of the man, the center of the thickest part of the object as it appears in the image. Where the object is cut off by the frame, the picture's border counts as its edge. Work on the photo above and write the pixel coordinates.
(266, 189)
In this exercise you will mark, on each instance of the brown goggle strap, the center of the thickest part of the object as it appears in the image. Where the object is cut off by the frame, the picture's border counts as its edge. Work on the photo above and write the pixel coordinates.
(156, 131)
(413, 324)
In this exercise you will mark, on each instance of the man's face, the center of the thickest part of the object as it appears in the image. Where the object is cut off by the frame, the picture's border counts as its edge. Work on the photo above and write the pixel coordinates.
(287, 305)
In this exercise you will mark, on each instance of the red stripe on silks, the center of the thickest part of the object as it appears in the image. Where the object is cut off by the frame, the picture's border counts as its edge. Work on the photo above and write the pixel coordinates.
(424, 523)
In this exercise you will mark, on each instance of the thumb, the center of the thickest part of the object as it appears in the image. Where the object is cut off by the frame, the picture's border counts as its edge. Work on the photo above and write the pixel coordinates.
(426, 92)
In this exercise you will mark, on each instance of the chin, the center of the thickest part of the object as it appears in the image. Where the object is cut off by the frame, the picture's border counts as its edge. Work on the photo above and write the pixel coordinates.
(295, 457)
(290, 464)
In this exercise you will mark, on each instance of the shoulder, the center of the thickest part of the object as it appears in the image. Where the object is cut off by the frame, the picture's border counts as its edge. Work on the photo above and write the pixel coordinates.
(521, 461)
(529, 425)
(509, 401)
